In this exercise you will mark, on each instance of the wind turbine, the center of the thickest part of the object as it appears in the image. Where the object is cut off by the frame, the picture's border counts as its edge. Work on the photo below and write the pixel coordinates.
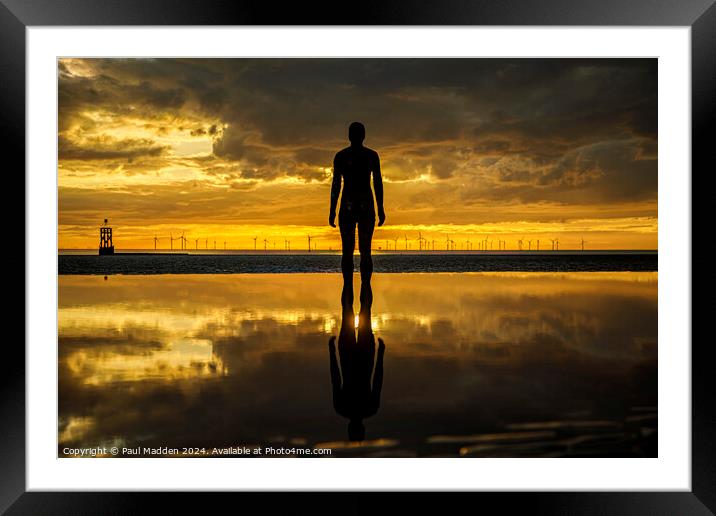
(553, 241)
(529, 245)
(171, 238)
(196, 243)
(519, 244)
(421, 240)
(406, 241)
(395, 243)
(309, 243)
(265, 243)
(538, 244)
(206, 243)
(583, 242)
(255, 243)
(468, 245)
(224, 245)
(155, 242)
(556, 240)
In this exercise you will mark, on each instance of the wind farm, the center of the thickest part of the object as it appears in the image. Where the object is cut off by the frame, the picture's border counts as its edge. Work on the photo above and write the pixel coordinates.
(410, 242)
(409, 251)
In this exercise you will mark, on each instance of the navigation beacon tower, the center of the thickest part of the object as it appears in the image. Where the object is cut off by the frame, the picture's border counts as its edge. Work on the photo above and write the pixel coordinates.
(105, 239)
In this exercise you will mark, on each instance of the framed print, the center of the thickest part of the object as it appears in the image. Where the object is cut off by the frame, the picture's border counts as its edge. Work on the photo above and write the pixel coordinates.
(419, 251)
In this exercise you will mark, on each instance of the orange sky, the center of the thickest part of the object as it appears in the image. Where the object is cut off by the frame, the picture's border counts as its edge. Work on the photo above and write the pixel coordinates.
(232, 149)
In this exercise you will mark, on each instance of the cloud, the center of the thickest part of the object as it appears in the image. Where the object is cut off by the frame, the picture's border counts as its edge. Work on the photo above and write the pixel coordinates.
(567, 131)
(108, 148)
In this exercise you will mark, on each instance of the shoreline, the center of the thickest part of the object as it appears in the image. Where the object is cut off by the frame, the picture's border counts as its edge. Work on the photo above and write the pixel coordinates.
(143, 264)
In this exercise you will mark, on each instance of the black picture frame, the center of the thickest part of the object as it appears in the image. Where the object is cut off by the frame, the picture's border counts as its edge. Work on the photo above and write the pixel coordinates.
(17, 15)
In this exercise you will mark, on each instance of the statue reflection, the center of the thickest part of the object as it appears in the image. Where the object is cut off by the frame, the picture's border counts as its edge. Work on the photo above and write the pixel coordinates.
(355, 397)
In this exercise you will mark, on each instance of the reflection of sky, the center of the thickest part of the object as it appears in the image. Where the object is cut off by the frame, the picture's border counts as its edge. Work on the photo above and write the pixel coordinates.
(179, 359)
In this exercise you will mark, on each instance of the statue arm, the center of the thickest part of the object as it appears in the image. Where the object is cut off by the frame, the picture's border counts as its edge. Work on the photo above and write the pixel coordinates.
(378, 185)
(335, 186)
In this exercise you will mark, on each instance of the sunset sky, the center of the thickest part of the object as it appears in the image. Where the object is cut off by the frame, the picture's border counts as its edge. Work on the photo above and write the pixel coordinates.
(232, 149)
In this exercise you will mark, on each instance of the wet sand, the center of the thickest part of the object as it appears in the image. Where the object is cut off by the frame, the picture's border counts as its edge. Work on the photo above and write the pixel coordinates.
(476, 364)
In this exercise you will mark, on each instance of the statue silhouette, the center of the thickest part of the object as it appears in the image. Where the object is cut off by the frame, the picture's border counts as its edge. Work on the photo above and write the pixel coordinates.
(354, 166)
(353, 395)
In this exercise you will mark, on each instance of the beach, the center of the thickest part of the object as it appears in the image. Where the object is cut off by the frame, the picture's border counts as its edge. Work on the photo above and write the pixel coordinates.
(477, 364)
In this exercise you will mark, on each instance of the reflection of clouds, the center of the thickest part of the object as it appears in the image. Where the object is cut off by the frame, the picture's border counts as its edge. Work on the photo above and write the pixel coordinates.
(376, 443)
(74, 428)
(611, 314)
(133, 360)
(211, 359)
(123, 317)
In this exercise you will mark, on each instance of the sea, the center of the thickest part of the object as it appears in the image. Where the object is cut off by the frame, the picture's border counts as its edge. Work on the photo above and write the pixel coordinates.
(233, 262)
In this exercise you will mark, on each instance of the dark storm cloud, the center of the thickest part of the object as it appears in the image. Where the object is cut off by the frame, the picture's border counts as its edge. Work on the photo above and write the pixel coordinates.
(314, 156)
(580, 126)
(509, 174)
(109, 93)
(108, 149)
(442, 168)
